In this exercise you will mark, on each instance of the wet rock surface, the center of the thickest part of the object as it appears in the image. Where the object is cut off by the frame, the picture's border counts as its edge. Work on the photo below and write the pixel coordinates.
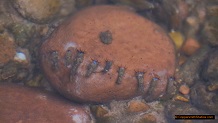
(22, 104)
(76, 60)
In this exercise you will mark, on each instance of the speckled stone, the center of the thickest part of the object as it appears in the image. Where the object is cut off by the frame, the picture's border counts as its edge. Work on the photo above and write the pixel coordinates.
(38, 11)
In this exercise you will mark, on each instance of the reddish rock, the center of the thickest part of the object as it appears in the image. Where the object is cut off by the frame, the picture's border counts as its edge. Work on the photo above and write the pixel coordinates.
(20, 104)
(106, 53)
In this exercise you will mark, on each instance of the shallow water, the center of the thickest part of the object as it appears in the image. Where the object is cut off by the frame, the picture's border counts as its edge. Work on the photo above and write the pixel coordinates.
(192, 26)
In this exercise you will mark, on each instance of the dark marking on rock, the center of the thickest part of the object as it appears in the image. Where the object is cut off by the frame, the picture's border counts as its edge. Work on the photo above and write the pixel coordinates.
(68, 58)
(171, 88)
(54, 60)
(91, 68)
(77, 61)
(106, 37)
(121, 72)
(140, 80)
(152, 86)
(107, 66)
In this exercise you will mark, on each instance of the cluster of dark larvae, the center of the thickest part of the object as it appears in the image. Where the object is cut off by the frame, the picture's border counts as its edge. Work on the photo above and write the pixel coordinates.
(91, 68)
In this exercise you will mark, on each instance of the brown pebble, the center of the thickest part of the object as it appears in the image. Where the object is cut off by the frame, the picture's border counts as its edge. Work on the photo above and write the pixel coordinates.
(213, 87)
(181, 98)
(8, 71)
(148, 118)
(38, 11)
(179, 14)
(7, 48)
(99, 111)
(190, 46)
(137, 106)
(184, 89)
(28, 105)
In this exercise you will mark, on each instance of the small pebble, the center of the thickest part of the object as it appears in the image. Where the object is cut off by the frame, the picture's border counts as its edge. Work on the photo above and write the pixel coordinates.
(137, 106)
(177, 38)
(184, 89)
(22, 56)
(190, 46)
(181, 98)
(99, 111)
(213, 87)
(192, 21)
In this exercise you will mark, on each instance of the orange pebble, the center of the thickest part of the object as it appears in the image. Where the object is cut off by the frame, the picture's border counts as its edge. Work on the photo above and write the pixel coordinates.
(184, 89)
(137, 106)
(190, 46)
